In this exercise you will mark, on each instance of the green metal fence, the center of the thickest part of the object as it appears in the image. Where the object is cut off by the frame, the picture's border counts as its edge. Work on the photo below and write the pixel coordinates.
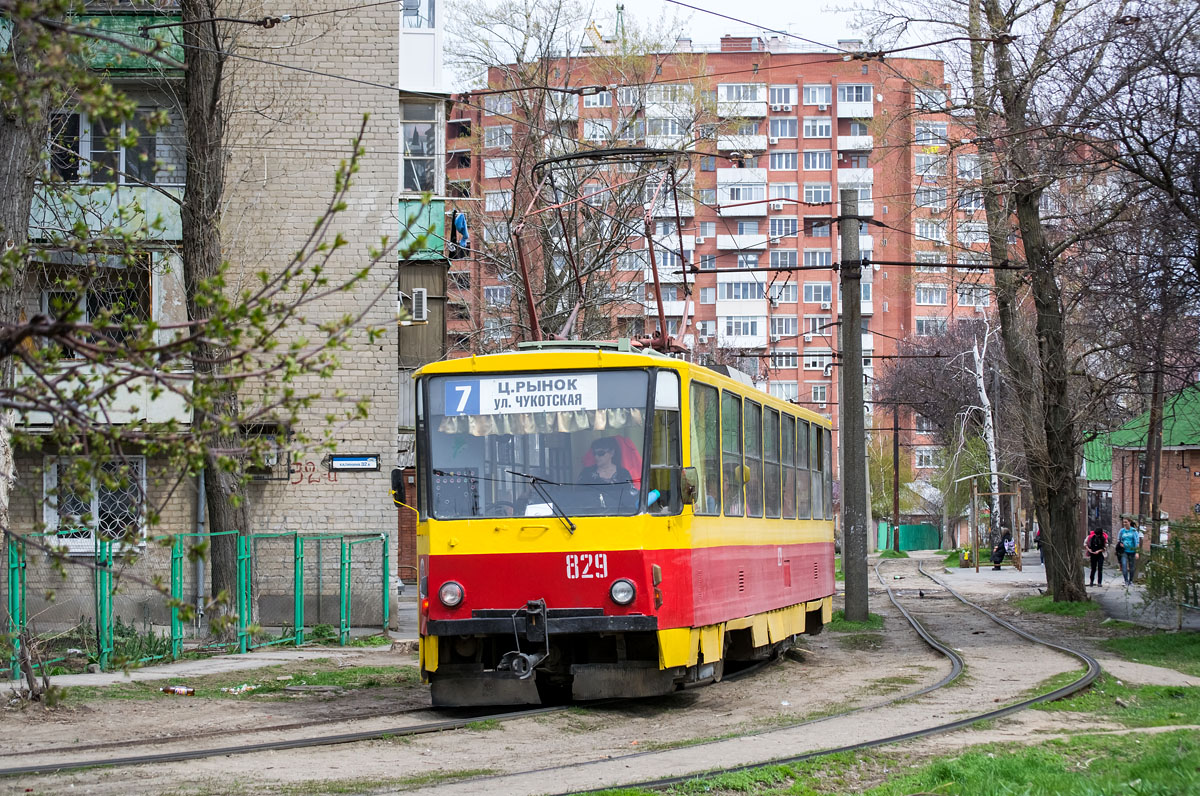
(105, 572)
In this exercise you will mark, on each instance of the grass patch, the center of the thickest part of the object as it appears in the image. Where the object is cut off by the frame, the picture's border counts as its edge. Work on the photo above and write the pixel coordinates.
(484, 724)
(866, 642)
(377, 640)
(1133, 705)
(890, 685)
(893, 554)
(838, 572)
(950, 557)
(838, 623)
(320, 671)
(1180, 651)
(436, 777)
(1044, 604)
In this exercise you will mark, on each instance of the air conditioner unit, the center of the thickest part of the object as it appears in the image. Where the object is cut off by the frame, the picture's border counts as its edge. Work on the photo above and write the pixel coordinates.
(420, 304)
(776, 205)
(825, 305)
(822, 107)
(822, 406)
(704, 338)
(775, 107)
(701, 239)
(773, 141)
(785, 107)
(808, 338)
(935, 210)
(939, 243)
(775, 338)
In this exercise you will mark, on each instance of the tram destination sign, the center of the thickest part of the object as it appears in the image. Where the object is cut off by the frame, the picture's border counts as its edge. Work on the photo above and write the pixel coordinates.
(509, 395)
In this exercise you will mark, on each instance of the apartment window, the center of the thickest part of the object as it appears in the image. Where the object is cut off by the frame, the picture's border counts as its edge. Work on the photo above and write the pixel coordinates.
(859, 128)
(631, 261)
(784, 326)
(497, 103)
(708, 262)
(747, 260)
(787, 292)
(926, 458)
(113, 291)
(972, 261)
(708, 295)
(741, 291)
(817, 192)
(925, 425)
(817, 227)
(969, 168)
(784, 258)
(930, 166)
(740, 92)
(930, 99)
(746, 128)
(783, 127)
(784, 358)
(707, 196)
(597, 130)
(970, 232)
(459, 280)
(930, 262)
(930, 134)
(785, 190)
(495, 231)
(932, 198)
(497, 167)
(818, 258)
(706, 328)
(863, 190)
(497, 201)
(818, 95)
(970, 201)
(783, 227)
(820, 393)
(708, 163)
(667, 259)
(601, 99)
(817, 358)
(782, 95)
(818, 127)
(706, 131)
(783, 161)
(974, 295)
(499, 137)
(930, 327)
(665, 228)
(931, 295)
(746, 192)
(84, 501)
(856, 92)
(931, 230)
(498, 296)
(818, 324)
(785, 391)
(741, 325)
(708, 228)
(673, 92)
(818, 292)
(666, 127)
(747, 227)
(818, 160)
(100, 150)
(630, 129)
(630, 96)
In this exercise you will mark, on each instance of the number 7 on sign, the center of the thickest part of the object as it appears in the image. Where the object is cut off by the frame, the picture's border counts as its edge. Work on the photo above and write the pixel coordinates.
(464, 395)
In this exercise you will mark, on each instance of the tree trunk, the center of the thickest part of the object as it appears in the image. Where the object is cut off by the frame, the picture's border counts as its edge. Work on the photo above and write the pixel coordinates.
(1154, 443)
(201, 249)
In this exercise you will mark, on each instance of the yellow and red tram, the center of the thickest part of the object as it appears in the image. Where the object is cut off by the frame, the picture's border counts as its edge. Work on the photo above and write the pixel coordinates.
(597, 521)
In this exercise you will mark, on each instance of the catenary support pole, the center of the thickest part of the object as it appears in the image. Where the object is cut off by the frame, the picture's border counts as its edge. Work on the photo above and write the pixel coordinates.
(854, 498)
(896, 474)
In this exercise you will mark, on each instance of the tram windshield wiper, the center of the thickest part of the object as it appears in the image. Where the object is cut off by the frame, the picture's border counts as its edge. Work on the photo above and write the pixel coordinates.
(538, 484)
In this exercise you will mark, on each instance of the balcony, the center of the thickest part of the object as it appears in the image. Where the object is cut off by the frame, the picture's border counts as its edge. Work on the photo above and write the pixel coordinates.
(742, 242)
(741, 143)
(855, 142)
(671, 309)
(140, 211)
(864, 307)
(856, 176)
(868, 341)
(671, 241)
(865, 243)
(856, 110)
(687, 209)
(670, 275)
(418, 219)
(753, 308)
(741, 340)
(666, 141)
(745, 109)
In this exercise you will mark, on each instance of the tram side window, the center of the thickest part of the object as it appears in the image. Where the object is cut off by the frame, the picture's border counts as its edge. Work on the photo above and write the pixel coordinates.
(827, 439)
(754, 484)
(706, 447)
(814, 463)
(771, 463)
(664, 445)
(803, 484)
(731, 454)
(787, 436)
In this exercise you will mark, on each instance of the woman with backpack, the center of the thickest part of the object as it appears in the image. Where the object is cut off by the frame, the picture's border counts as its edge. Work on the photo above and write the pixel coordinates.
(1096, 545)
(1129, 539)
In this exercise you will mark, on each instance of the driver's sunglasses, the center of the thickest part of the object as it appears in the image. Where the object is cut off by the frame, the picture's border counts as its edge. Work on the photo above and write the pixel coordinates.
(598, 451)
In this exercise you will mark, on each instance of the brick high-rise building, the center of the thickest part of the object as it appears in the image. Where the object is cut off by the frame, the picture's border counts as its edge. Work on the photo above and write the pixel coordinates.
(774, 135)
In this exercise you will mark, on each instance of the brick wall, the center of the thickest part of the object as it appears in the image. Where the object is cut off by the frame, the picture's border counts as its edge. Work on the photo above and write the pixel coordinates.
(1179, 483)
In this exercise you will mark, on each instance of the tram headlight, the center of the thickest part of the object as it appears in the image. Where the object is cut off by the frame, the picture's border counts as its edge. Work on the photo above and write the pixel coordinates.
(451, 594)
(622, 591)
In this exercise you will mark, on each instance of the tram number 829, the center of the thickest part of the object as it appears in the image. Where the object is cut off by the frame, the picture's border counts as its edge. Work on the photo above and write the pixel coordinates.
(585, 566)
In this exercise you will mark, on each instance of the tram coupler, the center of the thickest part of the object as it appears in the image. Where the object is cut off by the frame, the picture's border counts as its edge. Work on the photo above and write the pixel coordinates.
(520, 663)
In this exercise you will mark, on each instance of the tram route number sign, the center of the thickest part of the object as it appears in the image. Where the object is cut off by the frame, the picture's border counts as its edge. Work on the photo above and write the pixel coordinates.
(508, 395)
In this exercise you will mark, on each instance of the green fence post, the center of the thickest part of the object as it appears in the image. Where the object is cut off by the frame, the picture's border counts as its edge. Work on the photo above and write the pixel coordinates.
(16, 599)
(176, 596)
(104, 601)
(344, 577)
(298, 563)
(243, 589)
(387, 581)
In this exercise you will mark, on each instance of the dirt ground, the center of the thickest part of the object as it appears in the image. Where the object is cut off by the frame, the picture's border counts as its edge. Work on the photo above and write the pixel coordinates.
(747, 720)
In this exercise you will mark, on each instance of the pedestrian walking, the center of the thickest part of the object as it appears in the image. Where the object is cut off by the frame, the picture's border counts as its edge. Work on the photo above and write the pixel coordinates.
(1037, 540)
(1129, 541)
(1096, 545)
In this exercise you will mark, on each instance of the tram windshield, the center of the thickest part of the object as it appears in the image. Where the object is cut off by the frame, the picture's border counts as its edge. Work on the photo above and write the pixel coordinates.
(537, 444)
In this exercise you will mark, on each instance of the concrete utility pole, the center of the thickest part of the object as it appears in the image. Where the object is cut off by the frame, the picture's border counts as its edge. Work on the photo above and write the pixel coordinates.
(896, 476)
(854, 484)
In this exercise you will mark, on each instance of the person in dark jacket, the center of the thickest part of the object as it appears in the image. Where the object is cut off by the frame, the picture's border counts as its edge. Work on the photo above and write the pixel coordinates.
(1096, 545)
(998, 554)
